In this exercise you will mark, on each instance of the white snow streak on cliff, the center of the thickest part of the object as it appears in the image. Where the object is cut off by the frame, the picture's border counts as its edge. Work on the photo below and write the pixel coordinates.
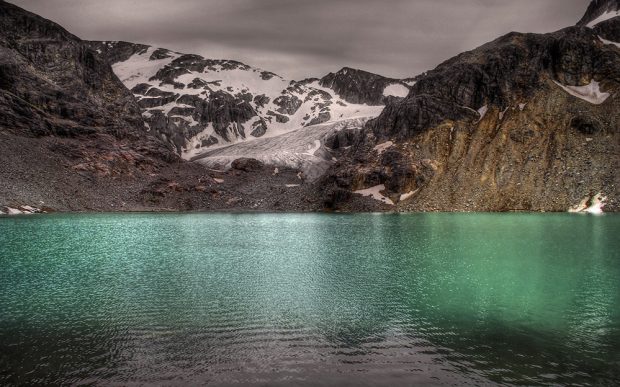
(606, 16)
(609, 42)
(591, 93)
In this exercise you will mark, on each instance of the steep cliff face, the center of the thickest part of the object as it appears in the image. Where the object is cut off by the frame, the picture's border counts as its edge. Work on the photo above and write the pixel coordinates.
(51, 83)
(598, 11)
(527, 122)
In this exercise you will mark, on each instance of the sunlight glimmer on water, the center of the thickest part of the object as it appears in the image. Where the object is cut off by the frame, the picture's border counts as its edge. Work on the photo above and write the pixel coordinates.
(310, 299)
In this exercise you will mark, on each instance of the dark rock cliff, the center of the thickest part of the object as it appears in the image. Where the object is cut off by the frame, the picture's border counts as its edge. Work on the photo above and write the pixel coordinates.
(597, 8)
(52, 83)
(503, 72)
(358, 86)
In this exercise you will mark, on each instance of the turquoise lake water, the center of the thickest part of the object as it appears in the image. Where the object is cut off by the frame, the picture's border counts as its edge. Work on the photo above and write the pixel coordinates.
(310, 299)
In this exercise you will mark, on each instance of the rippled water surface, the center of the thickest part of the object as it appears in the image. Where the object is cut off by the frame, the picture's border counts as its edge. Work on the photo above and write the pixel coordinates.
(447, 299)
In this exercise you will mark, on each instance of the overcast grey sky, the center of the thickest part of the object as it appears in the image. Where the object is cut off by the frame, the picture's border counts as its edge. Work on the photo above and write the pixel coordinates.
(302, 38)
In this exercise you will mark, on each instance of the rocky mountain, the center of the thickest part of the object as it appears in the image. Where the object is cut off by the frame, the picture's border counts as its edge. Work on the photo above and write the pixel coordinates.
(599, 11)
(72, 136)
(526, 122)
(197, 104)
(67, 124)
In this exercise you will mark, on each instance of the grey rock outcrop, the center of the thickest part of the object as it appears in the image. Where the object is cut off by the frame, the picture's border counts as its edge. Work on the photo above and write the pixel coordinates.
(597, 8)
(53, 83)
(358, 86)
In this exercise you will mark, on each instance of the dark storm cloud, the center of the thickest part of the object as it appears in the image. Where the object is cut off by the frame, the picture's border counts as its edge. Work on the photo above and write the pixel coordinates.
(299, 38)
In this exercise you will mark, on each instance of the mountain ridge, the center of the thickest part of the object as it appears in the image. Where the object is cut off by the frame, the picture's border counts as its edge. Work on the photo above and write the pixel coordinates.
(195, 103)
(598, 11)
(525, 122)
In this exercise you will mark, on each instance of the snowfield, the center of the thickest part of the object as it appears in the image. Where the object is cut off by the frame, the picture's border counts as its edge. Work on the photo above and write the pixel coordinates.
(396, 90)
(301, 149)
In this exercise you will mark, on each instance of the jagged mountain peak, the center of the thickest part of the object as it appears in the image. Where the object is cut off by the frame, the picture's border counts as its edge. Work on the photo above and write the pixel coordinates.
(195, 103)
(351, 70)
(599, 11)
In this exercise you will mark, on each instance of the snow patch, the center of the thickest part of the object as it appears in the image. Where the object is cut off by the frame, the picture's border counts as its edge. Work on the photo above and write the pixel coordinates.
(522, 106)
(609, 42)
(407, 195)
(396, 90)
(139, 69)
(589, 93)
(291, 185)
(219, 181)
(190, 120)
(383, 147)
(597, 202)
(502, 114)
(606, 16)
(483, 112)
(169, 106)
(375, 192)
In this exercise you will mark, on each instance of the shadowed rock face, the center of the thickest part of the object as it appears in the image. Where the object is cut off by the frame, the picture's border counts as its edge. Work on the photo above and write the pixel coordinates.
(500, 73)
(52, 83)
(597, 8)
(358, 86)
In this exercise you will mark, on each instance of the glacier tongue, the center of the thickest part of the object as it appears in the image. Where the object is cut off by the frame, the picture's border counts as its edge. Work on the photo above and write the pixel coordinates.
(301, 149)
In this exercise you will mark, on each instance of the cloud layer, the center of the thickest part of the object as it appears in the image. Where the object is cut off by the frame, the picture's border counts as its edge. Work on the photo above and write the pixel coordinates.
(302, 38)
